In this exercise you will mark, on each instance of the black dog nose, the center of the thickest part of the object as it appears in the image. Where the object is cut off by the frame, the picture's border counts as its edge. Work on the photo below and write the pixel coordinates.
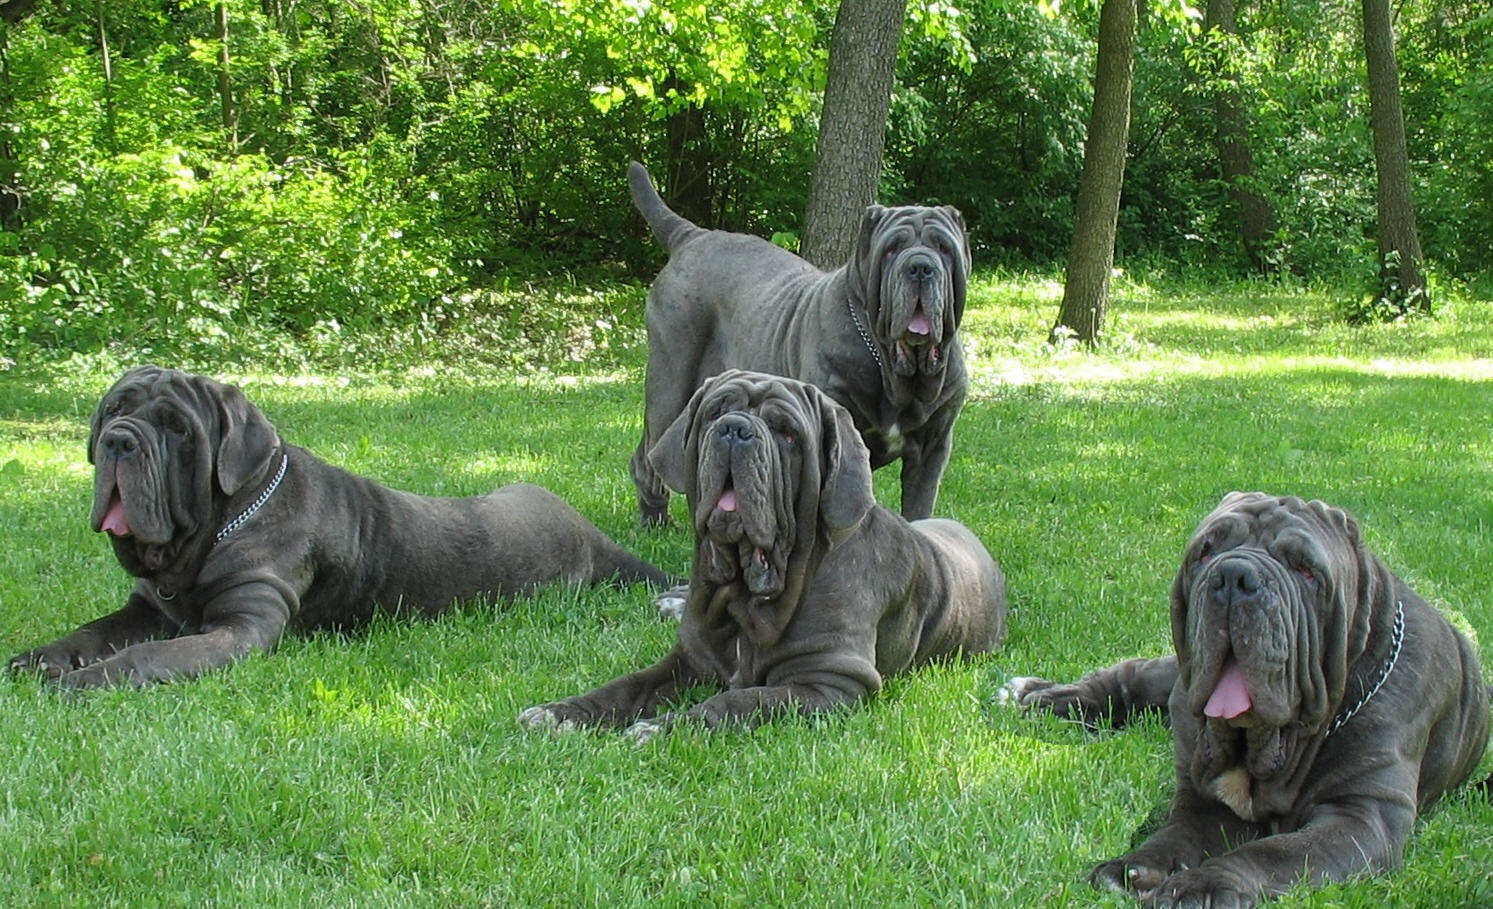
(1235, 580)
(919, 270)
(119, 444)
(735, 432)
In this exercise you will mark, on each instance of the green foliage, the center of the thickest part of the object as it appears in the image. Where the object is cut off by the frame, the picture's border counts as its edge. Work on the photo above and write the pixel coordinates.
(381, 158)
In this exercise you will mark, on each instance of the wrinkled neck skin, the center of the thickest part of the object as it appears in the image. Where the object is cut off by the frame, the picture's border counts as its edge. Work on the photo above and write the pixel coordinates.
(1259, 771)
(725, 624)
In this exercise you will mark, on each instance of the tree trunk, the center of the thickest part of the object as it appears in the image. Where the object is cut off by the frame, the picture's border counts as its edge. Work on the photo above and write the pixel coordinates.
(1256, 220)
(1403, 282)
(687, 183)
(225, 79)
(107, 60)
(852, 127)
(1097, 207)
(10, 167)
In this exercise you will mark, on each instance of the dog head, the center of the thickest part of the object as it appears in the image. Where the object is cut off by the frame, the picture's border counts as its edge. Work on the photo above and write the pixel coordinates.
(168, 450)
(775, 474)
(912, 266)
(1269, 609)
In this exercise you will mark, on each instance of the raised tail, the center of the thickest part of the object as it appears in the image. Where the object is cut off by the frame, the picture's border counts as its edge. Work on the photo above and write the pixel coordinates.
(668, 226)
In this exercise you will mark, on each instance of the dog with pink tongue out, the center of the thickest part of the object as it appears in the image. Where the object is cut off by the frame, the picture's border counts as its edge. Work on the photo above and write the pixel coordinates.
(1317, 706)
(804, 594)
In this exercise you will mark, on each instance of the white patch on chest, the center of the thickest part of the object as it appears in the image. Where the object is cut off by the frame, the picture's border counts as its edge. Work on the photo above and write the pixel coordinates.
(892, 438)
(1232, 788)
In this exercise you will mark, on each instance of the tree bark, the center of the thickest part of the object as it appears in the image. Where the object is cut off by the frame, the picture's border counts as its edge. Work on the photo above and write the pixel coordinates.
(1402, 281)
(1237, 163)
(107, 60)
(852, 127)
(687, 183)
(1097, 207)
(225, 79)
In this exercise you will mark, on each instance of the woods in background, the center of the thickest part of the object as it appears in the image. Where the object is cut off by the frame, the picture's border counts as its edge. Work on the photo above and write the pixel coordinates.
(300, 160)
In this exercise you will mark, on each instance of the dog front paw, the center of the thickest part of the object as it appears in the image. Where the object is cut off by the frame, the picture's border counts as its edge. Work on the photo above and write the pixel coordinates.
(1205, 887)
(1022, 691)
(670, 603)
(1128, 874)
(551, 718)
(52, 661)
(644, 731)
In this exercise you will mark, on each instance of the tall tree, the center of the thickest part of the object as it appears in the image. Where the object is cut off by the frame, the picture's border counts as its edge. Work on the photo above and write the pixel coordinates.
(1231, 135)
(852, 126)
(1097, 206)
(225, 76)
(1403, 283)
(10, 167)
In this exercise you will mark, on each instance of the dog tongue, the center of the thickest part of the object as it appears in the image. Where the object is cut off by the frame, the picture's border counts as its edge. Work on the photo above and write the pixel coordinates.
(727, 501)
(920, 324)
(1231, 697)
(114, 520)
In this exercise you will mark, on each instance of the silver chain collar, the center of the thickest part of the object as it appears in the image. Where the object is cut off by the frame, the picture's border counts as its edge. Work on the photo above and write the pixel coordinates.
(865, 335)
(1397, 639)
(257, 504)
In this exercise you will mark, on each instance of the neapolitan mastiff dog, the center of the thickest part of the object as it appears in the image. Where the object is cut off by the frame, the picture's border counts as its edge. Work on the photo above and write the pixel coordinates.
(878, 334)
(804, 593)
(1317, 705)
(235, 535)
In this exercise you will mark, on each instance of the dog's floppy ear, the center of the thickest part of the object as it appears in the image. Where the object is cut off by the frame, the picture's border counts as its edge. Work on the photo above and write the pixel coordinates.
(670, 455)
(845, 495)
(248, 439)
(960, 277)
(865, 261)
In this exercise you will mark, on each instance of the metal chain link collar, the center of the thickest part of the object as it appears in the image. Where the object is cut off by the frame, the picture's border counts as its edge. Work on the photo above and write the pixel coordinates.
(1397, 639)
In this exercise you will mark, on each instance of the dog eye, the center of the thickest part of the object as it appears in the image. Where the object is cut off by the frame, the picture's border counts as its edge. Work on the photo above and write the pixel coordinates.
(176, 425)
(891, 251)
(1205, 552)
(1306, 572)
(112, 409)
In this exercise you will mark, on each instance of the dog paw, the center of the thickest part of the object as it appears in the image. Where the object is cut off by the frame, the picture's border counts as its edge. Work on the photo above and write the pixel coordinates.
(670, 603)
(1020, 691)
(49, 662)
(1206, 887)
(643, 731)
(545, 719)
(1126, 876)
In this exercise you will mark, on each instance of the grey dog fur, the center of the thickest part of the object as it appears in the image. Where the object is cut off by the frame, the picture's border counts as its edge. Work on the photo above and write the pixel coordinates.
(327, 549)
(806, 596)
(1324, 776)
(733, 301)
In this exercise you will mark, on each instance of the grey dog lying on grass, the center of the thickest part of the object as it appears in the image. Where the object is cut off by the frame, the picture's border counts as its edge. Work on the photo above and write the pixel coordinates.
(1317, 705)
(235, 535)
(804, 593)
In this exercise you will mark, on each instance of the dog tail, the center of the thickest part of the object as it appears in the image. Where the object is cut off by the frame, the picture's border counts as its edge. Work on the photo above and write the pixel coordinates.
(613, 563)
(668, 226)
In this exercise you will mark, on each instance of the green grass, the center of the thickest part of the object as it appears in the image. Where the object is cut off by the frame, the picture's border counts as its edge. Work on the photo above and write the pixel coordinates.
(386, 768)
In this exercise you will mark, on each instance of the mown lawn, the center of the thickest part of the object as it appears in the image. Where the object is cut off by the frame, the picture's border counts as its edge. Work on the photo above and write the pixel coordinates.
(387, 769)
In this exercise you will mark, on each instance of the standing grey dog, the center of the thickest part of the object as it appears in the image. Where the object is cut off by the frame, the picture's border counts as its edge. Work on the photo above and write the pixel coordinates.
(1317, 706)
(235, 535)
(804, 593)
(879, 334)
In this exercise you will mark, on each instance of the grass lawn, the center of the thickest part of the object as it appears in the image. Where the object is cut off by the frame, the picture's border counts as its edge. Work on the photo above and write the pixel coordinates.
(387, 769)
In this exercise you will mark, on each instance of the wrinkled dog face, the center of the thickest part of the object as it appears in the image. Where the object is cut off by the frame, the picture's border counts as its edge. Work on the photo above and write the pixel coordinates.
(1259, 611)
(751, 453)
(915, 260)
(770, 466)
(163, 444)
